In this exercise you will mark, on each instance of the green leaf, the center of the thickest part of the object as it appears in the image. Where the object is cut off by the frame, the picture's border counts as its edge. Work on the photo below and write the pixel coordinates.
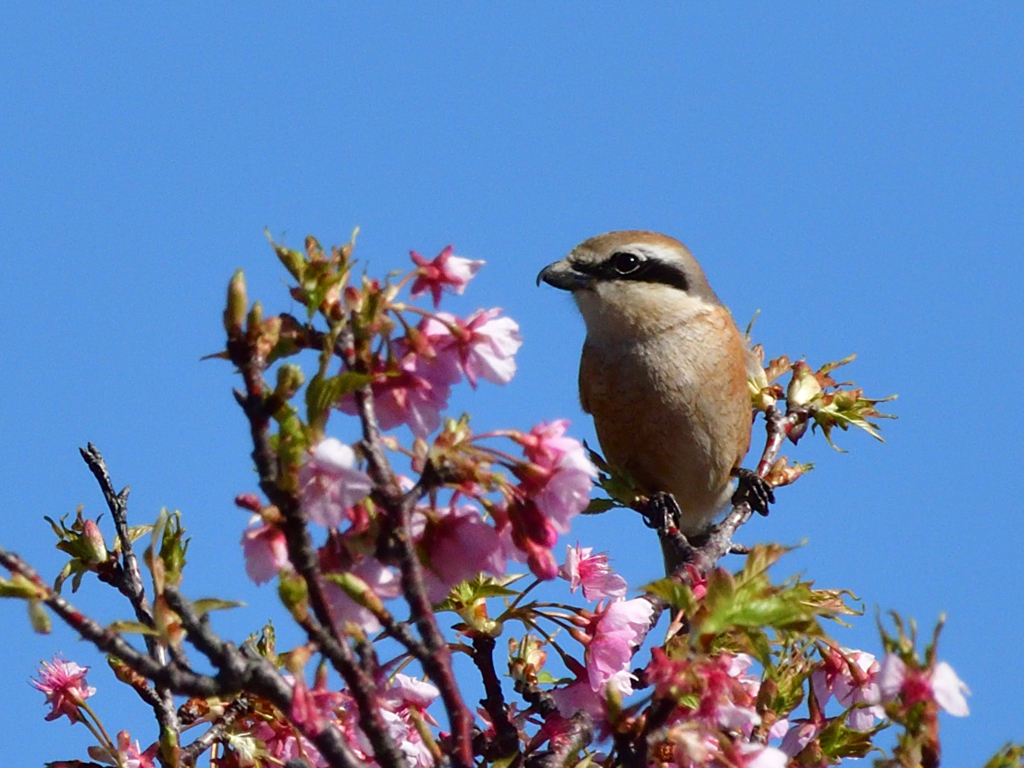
(323, 392)
(543, 676)
(761, 558)
(599, 506)
(38, 617)
(1010, 756)
(206, 604)
(677, 595)
(132, 628)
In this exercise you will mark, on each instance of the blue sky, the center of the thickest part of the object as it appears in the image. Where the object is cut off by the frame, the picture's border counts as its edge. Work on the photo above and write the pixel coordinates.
(855, 172)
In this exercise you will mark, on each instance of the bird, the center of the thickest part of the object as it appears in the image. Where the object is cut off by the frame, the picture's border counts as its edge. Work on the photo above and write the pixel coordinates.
(663, 370)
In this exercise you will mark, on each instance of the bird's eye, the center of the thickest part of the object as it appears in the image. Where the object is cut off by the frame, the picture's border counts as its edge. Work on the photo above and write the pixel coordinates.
(625, 263)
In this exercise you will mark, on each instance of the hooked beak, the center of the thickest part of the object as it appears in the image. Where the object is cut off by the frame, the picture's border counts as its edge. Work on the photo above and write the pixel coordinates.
(563, 275)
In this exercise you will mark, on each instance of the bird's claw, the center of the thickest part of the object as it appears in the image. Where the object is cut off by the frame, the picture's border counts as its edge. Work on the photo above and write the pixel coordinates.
(661, 512)
(754, 490)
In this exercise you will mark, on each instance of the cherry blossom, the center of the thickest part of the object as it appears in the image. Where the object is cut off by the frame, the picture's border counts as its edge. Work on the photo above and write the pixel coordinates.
(329, 483)
(856, 690)
(760, 756)
(592, 572)
(578, 696)
(446, 272)
(617, 630)
(800, 734)
(560, 475)
(402, 703)
(939, 684)
(718, 693)
(413, 392)
(132, 756)
(612, 635)
(281, 745)
(459, 545)
(382, 581)
(265, 550)
(481, 346)
(64, 684)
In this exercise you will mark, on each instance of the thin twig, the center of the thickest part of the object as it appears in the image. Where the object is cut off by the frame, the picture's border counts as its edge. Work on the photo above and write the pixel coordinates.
(130, 584)
(173, 677)
(190, 754)
(260, 677)
(507, 742)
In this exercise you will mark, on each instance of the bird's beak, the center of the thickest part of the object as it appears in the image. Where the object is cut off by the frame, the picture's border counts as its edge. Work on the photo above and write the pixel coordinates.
(562, 275)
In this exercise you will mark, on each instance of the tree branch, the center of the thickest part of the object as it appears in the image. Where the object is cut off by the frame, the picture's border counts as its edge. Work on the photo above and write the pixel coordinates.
(260, 677)
(130, 584)
(507, 742)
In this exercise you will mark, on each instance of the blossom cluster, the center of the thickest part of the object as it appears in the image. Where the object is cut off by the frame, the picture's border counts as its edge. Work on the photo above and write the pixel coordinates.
(347, 536)
(489, 518)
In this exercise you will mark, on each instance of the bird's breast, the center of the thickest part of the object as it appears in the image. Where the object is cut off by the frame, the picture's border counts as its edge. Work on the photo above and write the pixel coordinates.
(672, 410)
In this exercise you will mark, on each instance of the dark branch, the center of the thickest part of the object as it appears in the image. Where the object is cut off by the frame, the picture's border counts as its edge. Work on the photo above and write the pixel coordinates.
(130, 584)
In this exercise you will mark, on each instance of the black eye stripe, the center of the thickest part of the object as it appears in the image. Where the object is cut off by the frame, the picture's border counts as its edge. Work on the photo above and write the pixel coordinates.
(647, 270)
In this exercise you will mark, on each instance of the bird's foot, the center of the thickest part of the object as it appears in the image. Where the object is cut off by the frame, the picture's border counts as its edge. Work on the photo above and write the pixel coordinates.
(661, 512)
(754, 490)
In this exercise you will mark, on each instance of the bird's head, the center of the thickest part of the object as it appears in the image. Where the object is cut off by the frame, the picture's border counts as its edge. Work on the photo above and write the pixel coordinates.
(632, 281)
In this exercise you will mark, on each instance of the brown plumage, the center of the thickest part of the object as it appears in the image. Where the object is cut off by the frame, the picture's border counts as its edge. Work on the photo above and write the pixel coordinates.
(663, 370)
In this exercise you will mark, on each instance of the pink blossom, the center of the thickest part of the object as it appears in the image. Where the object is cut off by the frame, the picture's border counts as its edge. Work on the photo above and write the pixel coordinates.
(760, 756)
(446, 272)
(856, 690)
(734, 717)
(692, 746)
(949, 690)
(265, 550)
(282, 745)
(528, 535)
(800, 734)
(481, 346)
(593, 573)
(939, 684)
(546, 443)
(329, 483)
(132, 756)
(413, 392)
(382, 581)
(554, 487)
(560, 475)
(313, 707)
(64, 684)
(557, 730)
(459, 545)
(410, 693)
(617, 630)
(406, 699)
(718, 692)
(578, 696)
(779, 729)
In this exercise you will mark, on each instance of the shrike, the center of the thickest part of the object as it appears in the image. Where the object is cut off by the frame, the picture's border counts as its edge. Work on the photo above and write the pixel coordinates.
(663, 370)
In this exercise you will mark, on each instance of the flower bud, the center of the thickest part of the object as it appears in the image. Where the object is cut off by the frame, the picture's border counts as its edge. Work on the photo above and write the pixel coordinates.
(803, 387)
(249, 501)
(313, 249)
(269, 335)
(292, 260)
(290, 379)
(255, 318)
(237, 304)
(353, 299)
(291, 588)
(95, 550)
